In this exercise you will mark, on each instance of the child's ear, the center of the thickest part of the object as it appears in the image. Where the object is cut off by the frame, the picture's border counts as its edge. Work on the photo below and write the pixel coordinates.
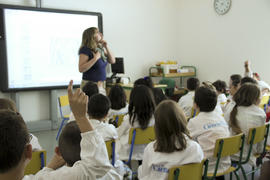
(57, 151)
(28, 152)
(195, 106)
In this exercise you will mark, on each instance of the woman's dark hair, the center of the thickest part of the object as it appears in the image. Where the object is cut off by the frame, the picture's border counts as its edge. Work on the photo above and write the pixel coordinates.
(170, 127)
(193, 84)
(206, 99)
(220, 86)
(159, 95)
(247, 95)
(117, 97)
(90, 88)
(248, 80)
(141, 106)
(236, 79)
(147, 81)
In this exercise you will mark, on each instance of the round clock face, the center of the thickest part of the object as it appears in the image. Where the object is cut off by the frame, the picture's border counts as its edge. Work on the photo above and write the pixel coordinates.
(222, 6)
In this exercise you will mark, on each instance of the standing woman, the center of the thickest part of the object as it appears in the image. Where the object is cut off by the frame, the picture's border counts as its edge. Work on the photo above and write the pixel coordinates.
(94, 56)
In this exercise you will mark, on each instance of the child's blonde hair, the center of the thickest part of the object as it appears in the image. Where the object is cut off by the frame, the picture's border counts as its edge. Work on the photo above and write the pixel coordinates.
(7, 104)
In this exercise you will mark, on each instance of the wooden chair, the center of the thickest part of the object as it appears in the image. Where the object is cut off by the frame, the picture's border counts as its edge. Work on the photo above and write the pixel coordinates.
(37, 162)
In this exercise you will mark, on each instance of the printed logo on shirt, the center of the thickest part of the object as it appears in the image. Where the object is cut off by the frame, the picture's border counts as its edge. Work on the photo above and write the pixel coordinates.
(160, 168)
(213, 125)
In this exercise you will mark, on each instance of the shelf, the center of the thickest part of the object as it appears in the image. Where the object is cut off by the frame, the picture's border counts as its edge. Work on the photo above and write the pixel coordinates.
(173, 74)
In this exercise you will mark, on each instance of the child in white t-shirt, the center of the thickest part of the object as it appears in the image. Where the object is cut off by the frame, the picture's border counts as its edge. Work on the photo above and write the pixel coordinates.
(186, 101)
(173, 145)
(208, 126)
(118, 100)
(141, 115)
(246, 114)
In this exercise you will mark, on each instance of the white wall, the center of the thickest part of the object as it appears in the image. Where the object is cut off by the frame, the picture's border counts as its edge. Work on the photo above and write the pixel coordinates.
(141, 31)
(219, 45)
(146, 31)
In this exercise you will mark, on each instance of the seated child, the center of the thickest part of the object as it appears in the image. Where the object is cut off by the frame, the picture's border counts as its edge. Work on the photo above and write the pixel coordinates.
(221, 90)
(264, 87)
(94, 163)
(147, 81)
(90, 88)
(118, 100)
(218, 108)
(140, 115)
(246, 114)
(10, 105)
(159, 95)
(186, 101)
(173, 145)
(98, 108)
(208, 126)
(234, 85)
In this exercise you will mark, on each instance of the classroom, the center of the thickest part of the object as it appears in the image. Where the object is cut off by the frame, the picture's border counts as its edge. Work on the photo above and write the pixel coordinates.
(151, 33)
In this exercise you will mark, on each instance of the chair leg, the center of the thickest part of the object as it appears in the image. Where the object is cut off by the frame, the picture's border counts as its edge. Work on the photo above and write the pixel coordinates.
(243, 172)
(236, 175)
(59, 130)
(253, 173)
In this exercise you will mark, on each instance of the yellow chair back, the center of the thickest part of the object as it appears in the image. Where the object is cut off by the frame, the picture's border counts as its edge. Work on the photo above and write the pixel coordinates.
(264, 101)
(63, 101)
(35, 164)
(259, 134)
(231, 145)
(120, 119)
(192, 113)
(109, 147)
(192, 171)
(142, 136)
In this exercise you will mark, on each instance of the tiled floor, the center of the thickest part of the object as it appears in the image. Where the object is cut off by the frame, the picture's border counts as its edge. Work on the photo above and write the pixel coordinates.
(47, 140)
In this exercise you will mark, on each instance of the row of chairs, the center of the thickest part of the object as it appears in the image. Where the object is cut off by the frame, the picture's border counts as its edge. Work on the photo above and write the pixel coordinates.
(63, 101)
(224, 147)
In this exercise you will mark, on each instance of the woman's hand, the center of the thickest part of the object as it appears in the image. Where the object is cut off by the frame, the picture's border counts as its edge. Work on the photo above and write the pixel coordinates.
(104, 43)
(97, 55)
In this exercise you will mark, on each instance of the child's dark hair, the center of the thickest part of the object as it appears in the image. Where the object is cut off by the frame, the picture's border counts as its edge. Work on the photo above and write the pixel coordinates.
(141, 106)
(248, 80)
(117, 97)
(7, 104)
(170, 127)
(220, 86)
(206, 99)
(247, 95)
(69, 143)
(236, 79)
(147, 81)
(13, 138)
(193, 84)
(90, 88)
(159, 95)
(98, 106)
